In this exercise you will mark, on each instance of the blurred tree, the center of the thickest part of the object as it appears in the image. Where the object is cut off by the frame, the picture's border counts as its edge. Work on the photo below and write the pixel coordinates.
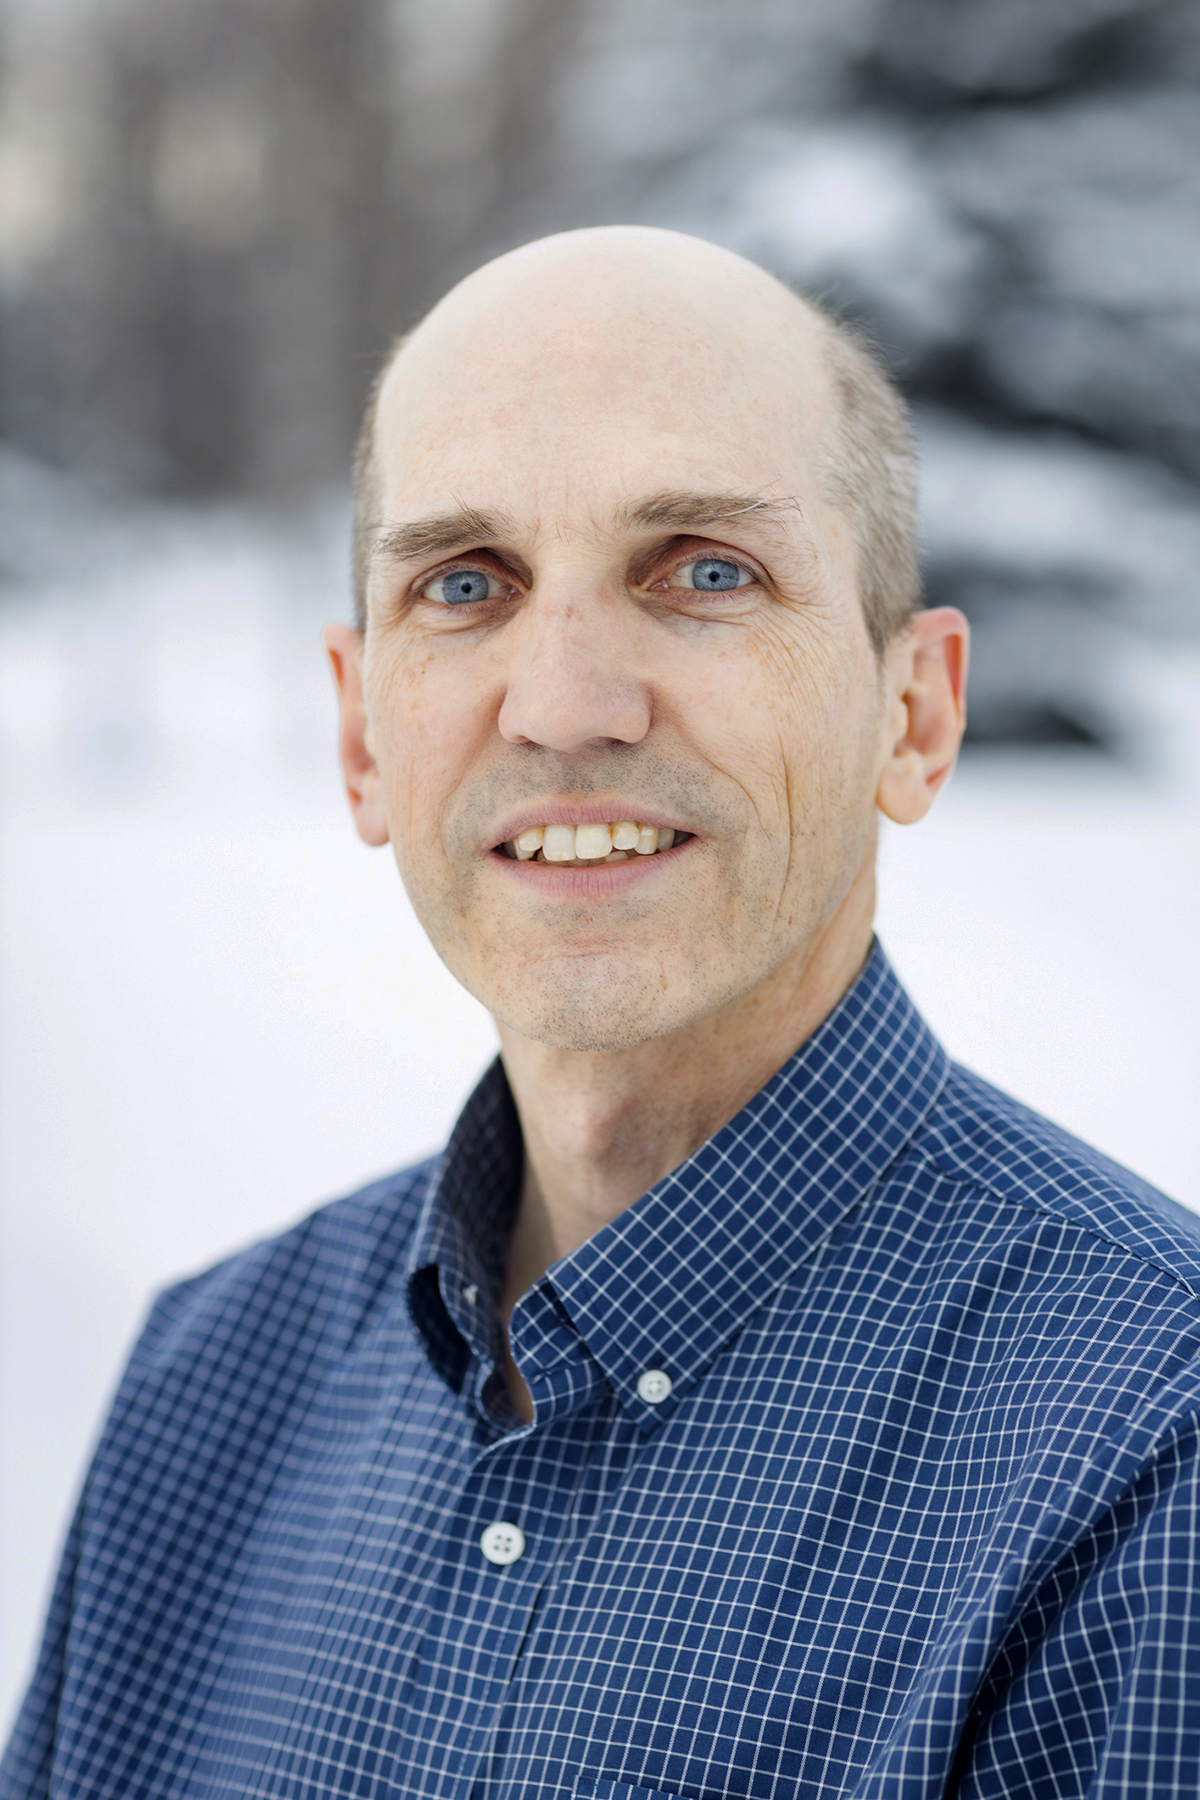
(257, 194)
(214, 213)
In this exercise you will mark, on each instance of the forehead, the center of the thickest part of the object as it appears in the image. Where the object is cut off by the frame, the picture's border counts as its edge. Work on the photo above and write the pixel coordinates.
(583, 383)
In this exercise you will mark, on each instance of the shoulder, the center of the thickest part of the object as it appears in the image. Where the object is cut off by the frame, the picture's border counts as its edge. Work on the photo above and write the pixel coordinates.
(987, 1141)
(1055, 1295)
(321, 1281)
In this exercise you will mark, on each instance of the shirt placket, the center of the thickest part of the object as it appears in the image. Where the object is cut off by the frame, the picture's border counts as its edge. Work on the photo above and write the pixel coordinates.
(514, 1518)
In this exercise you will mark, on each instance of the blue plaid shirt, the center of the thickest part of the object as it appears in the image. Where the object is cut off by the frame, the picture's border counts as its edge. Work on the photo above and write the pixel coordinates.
(864, 1463)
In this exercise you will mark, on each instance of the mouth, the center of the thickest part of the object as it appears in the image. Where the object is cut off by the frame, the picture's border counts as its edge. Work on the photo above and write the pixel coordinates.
(590, 846)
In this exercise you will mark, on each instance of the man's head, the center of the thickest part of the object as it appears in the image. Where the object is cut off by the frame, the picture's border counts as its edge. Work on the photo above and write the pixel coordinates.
(636, 544)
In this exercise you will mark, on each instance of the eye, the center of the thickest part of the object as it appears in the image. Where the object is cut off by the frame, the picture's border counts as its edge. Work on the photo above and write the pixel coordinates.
(710, 575)
(463, 587)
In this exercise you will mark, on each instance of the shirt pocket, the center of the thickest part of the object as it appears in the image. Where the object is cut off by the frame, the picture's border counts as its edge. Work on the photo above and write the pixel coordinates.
(589, 1788)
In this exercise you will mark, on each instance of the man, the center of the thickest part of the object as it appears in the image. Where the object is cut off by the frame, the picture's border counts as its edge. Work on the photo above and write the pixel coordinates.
(749, 1402)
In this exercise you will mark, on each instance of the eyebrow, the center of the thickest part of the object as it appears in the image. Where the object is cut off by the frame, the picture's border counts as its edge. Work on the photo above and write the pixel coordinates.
(440, 532)
(679, 509)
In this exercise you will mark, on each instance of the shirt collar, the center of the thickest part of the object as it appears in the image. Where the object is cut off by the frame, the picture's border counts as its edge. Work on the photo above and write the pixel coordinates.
(670, 1281)
(456, 1263)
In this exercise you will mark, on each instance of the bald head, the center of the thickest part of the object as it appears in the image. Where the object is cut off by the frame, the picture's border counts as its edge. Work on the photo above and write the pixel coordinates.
(592, 315)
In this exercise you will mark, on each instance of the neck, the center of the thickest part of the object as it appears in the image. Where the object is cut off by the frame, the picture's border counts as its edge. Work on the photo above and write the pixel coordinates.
(601, 1128)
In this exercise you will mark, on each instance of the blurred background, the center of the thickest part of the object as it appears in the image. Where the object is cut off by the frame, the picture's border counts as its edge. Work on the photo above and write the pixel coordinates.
(214, 214)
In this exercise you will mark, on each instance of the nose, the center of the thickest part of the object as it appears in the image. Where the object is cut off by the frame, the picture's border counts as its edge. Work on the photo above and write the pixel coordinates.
(573, 681)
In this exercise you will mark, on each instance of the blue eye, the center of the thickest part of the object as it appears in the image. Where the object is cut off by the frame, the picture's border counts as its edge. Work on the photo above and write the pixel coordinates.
(461, 588)
(710, 575)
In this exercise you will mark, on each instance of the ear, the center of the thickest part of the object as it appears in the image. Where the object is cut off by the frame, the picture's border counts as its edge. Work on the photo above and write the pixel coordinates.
(927, 681)
(344, 648)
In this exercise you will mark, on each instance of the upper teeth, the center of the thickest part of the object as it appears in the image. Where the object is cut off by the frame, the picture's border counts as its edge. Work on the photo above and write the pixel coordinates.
(589, 843)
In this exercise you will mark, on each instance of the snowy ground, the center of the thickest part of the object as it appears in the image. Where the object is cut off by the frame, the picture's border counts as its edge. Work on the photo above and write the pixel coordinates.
(217, 1009)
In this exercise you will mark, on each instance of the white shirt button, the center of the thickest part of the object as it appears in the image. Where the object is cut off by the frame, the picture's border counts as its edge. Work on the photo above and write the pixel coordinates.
(503, 1543)
(654, 1385)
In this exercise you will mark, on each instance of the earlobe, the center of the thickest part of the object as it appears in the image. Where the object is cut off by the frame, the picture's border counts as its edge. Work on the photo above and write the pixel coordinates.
(344, 648)
(928, 714)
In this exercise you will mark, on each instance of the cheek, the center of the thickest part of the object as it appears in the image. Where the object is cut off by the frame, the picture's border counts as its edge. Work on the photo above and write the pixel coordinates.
(806, 717)
(774, 706)
(424, 725)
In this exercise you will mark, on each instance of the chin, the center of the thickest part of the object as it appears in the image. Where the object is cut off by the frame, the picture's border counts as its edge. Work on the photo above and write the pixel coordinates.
(565, 1034)
(611, 1009)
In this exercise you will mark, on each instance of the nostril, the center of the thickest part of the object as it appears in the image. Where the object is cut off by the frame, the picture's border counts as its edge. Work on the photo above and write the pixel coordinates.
(568, 716)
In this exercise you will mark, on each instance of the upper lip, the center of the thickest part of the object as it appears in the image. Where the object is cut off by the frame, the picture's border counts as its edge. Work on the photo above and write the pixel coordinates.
(589, 812)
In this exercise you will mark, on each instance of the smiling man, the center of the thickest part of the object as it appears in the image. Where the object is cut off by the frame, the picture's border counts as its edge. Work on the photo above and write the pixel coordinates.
(748, 1402)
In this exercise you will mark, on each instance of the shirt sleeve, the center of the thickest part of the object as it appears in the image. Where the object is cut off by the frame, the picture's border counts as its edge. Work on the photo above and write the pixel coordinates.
(1097, 1689)
(27, 1764)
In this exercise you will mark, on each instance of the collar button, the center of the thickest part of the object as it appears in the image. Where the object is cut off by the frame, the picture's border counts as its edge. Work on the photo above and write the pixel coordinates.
(654, 1386)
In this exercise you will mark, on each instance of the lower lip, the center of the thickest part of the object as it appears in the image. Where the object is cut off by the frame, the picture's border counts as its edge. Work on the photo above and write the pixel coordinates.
(602, 879)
